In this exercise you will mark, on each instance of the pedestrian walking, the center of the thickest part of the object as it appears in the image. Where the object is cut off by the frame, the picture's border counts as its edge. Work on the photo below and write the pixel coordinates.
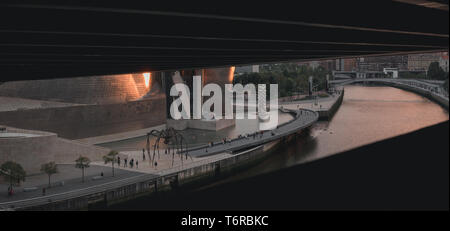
(118, 161)
(137, 164)
(126, 163)
(143, 154)
(43, 191)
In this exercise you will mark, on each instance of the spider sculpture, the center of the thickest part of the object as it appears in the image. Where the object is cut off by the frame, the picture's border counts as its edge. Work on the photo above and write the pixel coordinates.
(171, 138)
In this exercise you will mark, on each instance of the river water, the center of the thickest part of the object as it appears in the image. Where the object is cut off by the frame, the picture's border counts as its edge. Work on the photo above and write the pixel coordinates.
(367, 115)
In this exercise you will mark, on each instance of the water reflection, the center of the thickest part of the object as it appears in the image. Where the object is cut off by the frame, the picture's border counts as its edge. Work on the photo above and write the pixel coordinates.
(367, 115)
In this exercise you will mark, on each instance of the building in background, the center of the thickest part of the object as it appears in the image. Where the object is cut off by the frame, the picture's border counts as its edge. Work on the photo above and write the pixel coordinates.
(379, 63)
(443, 61)
(310, 64)
(348, 64)
(402, 63)
(314, 64)
(412, 62)
(421, 62)
(247, 69)
(329, 65)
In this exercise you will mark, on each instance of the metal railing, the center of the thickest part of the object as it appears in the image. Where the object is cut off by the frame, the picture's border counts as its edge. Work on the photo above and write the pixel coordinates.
(312, 116)
(433, 87)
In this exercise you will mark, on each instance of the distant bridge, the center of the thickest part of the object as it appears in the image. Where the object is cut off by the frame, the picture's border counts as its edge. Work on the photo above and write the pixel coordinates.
(369, 74)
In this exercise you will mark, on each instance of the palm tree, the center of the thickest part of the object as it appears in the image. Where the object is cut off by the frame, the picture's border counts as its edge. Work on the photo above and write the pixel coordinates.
(49, 168)
(111, 157)
(12, 172)
(82, 163)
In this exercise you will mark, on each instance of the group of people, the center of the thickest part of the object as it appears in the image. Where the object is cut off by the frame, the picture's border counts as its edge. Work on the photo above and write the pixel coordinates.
(131, 163)
(260, 133)
(226, 140)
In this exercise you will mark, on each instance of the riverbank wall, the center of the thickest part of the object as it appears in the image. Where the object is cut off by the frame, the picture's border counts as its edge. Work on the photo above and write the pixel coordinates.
(443, 102)
(166, 180)
(328, 113)
(169, 181)
(33, 148)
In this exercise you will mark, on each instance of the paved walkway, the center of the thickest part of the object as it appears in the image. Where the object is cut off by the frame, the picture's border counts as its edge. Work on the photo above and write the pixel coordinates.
(120, 136)
(16, 135)
(68, 174)
(14, 103)
(322, 103)
(145, 170)
(164, 161)
(71, 176)
(303, 118)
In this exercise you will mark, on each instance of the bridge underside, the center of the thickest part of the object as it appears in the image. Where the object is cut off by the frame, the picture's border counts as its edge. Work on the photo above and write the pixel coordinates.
(83, 38)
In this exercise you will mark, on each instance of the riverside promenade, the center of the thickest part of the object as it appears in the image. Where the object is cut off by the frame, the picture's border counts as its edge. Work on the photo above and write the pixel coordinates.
(205, 163)
(302, 119)
(326, 106)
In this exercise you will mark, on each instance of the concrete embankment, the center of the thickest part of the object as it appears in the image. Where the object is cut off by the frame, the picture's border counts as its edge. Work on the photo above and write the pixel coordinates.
(435, 98)
(145, 185)
(328, 113)
(325, 107)
(422, 88)
(373, 177)
(33, 148)
(171, 179)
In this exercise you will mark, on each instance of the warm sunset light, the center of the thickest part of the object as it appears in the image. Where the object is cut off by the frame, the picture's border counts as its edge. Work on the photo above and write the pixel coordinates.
(231, 77)
(147, 79)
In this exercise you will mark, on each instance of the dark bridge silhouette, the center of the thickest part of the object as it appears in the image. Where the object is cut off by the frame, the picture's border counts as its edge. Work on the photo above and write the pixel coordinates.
(84, 38)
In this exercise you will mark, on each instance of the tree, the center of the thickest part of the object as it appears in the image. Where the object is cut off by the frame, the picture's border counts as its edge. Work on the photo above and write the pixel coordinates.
(111, 157)
(412, 75)
(49, 168)
(446, 84)
(12, 172)
(82, 163)
(290, 77)
(435, 71)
